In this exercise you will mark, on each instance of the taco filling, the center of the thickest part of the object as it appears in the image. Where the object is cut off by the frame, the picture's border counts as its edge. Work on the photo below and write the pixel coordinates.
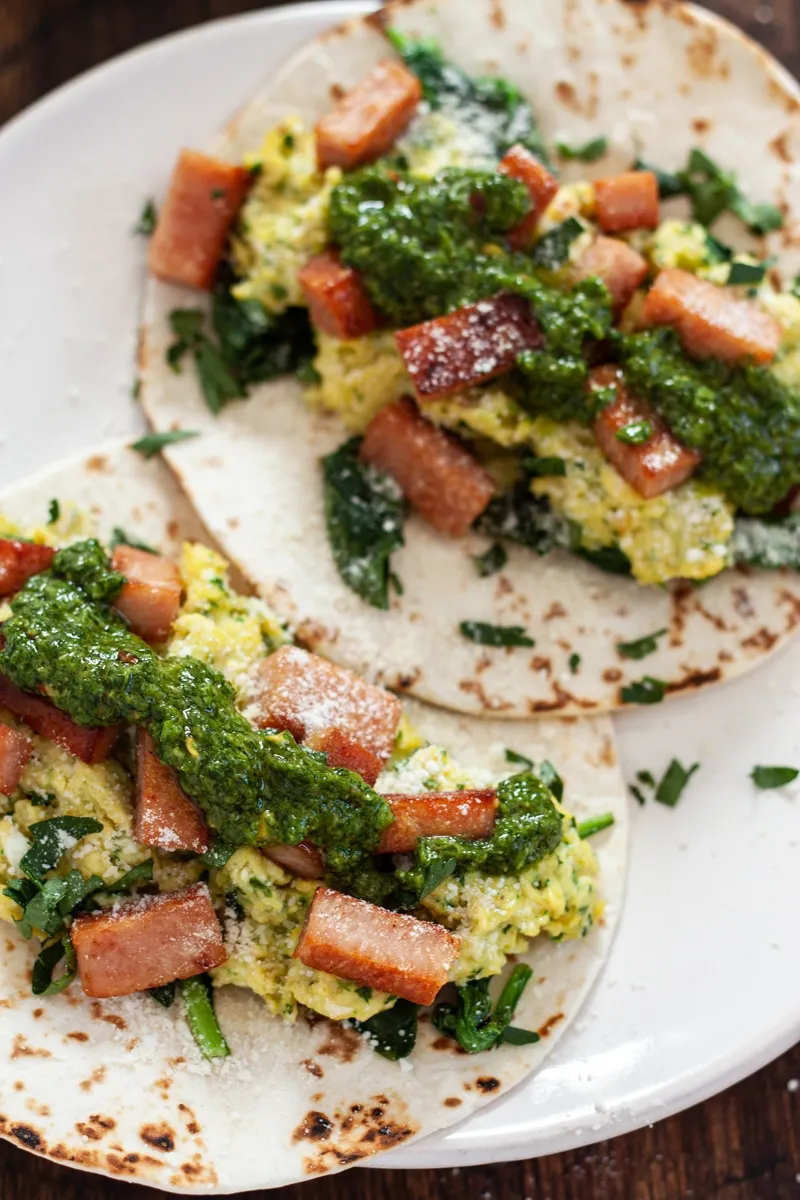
(189, 799)
(562, 365)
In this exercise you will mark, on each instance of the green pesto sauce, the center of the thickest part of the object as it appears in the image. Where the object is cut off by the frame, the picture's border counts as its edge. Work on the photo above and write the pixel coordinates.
(254, 786)
(744, 421)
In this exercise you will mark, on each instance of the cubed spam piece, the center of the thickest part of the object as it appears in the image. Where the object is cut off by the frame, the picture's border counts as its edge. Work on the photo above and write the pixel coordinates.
(436, 473)
(367, 121)
(19, 561)
(621, 268)
(151, 597)
(204, 197)
(336, 298)
(525, 167)
(376, 948)
(465, 814)
(344, 751)
(651, 467)
(15, 750)
(89, 743)
(165, 816)
(308, 695)
(711, 321)
(469, 346)
(147, 942)
(627, 201)
(303, 860)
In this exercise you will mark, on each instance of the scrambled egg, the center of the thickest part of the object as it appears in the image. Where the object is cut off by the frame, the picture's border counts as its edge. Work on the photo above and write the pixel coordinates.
(682, 534)
(785, 308)
(357, 377)
(283, 220)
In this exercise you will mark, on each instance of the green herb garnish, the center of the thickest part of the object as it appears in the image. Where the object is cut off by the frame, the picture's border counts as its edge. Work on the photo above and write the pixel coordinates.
(520, 759)
(593, 825)
(152, 443)
(51, 840)
(773, 777)
(644, 691)
(485, 634)
(120, 538)
(53, 512)
(471, 1021)
(574, 663)
(589, 152)
(491, 561)
(537, 465)
(148, 217)
(552, 251)
(642, 646)
(749, 273)
(675, 779)
(365, 515)
(164, 995)
(551, 779)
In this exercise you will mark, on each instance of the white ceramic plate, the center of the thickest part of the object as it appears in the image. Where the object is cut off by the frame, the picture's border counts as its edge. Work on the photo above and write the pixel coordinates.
(703, 980)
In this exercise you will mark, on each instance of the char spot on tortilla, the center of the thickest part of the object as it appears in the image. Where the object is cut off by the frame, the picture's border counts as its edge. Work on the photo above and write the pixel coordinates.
(341, 1042)
(77, 1036)
(497, 14)
(100, 1014)
(337, 92)
(702, 56)
(763, 640)
(695, 679)
(452, 1102)
(97, 1076)
(550, 1024)
(315, 1127)
(487, 1083)
(612, 674)
(793, 603)
(21, 1049)
(701, 125)
(95, 1128)
(27, 1137)
(383, 1137)
(160, 1137)
(313, 1068)
(555, 610)
(779, 92)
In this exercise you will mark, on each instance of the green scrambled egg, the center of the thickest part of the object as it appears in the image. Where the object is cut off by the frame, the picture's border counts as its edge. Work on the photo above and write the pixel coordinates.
(261, 905)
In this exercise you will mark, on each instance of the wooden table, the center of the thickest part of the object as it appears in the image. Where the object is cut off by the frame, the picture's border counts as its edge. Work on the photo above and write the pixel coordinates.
(742, 1145)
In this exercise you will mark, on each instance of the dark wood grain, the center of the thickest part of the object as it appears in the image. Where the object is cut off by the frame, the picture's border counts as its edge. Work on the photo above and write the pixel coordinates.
(742, 1145)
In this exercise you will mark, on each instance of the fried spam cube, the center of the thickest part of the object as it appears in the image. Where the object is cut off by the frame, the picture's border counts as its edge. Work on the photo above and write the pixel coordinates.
(88, 742)
(346, 751)
(621, 268)
(147, 942)
(303, 860)
(651, 467)
(466, 814)
(376, 948)
(204, 197)
(19, 561)
(337, 301)
(627, 201)
(151, 597)
(307, 695)
(15, 751)
(711, 321)
(164, 815)
(525, 167)
(469, 346)
(367, 122)
(437, 474)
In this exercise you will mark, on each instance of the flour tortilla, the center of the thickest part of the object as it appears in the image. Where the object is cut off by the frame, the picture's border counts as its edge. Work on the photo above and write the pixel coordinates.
(657, 79)
(118, 1087)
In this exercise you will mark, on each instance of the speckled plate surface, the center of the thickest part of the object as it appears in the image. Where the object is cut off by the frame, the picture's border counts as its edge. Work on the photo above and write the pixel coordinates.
(702, 983)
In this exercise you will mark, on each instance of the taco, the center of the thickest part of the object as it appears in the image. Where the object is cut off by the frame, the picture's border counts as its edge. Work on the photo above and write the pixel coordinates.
(549, 384)
(218, 916)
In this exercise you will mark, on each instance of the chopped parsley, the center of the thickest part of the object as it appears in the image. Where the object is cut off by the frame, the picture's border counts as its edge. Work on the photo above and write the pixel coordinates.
(153, 443)
(574, 663)
(671, 786)
(552, 251)
(551, 779)
(713, 191)
(644, 691)
(773, 777)
(146, 224)
(635, 433)
(485, 634)
(589, 152)
(120, 538)
(53, 512)
(642, 646)
(491, 561)
(748, 273)
(521, 759)
(537, 465)
(365, 514)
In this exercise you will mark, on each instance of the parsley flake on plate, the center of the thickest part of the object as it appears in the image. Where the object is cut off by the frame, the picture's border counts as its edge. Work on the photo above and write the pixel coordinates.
(672, 785)
(146, 224)
(485, 634)
(773, 777)
(642, 646)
